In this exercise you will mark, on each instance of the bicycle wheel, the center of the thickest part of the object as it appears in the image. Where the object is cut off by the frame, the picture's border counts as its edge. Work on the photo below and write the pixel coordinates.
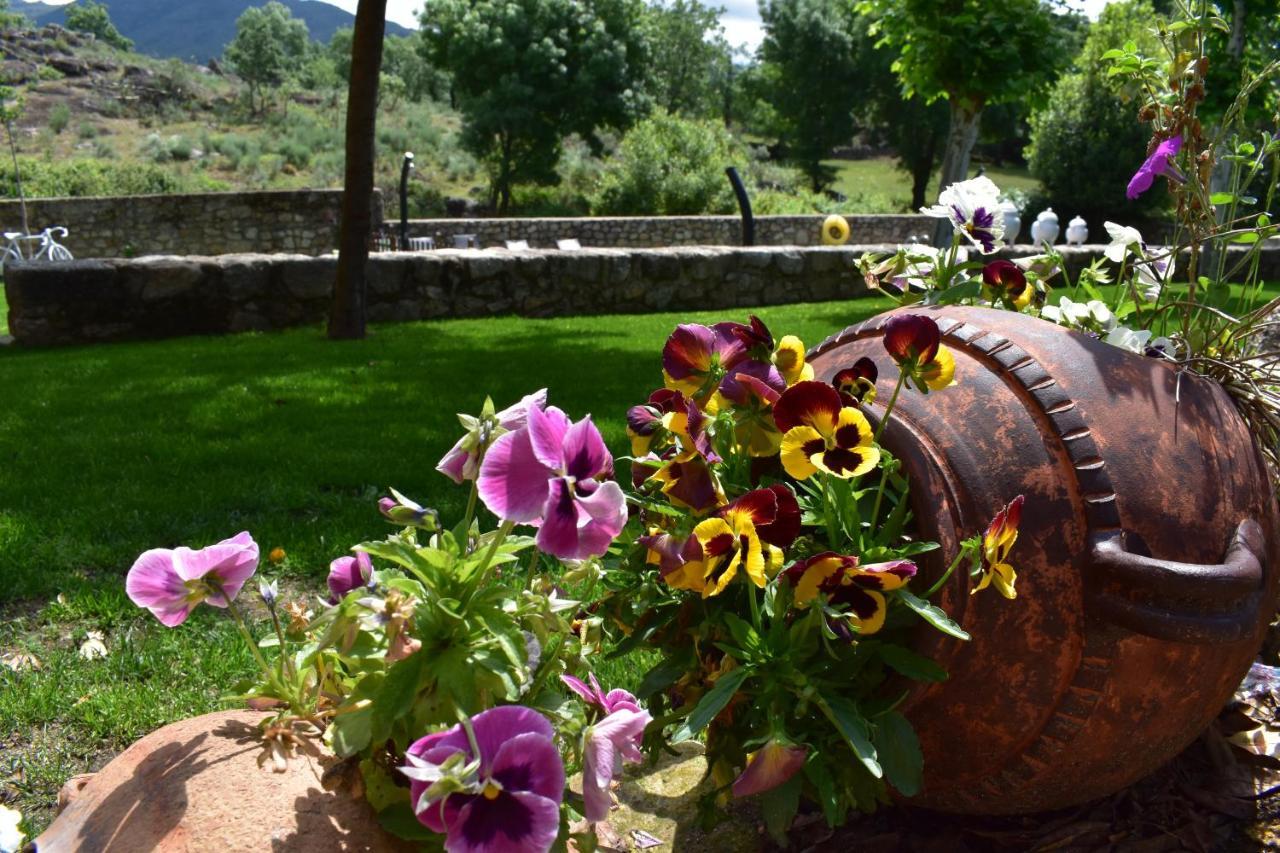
(58, 252)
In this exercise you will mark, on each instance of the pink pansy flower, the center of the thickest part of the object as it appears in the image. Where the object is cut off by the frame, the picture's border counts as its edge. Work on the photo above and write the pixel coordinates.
(170, 582)
(771, 766)
(348, 573)
(556, 475)
(594, 695)
(1159, 163)
(462, 462)
(511, 803)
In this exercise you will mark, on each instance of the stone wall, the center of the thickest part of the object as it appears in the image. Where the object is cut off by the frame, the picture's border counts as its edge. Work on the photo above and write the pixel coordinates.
(114, 300)
(654, 231)
(304, 221)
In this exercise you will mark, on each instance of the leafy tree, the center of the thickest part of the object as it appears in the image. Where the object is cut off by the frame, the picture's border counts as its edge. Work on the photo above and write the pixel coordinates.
(972, 53)
(668, 165)
(10, 20)
(402, 57)
(526, 73)
(92, 18)
(810, 48)
(689, 55)
(1086, 142)
(269, 44)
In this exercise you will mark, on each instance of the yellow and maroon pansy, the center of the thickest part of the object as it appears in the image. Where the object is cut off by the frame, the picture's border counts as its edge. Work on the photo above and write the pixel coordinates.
(672, 555)
(856, 590)
(688, 481)
(997, 542)
(729, 545)
(770, 766)
(695, 357)
(789, 359)
(752, 393)
(1005, 282)
(773, 511)
(820, 434)
(857, 384)
(915, 343)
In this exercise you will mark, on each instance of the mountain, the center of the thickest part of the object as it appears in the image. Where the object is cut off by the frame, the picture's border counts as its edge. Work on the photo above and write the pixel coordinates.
(196, 30)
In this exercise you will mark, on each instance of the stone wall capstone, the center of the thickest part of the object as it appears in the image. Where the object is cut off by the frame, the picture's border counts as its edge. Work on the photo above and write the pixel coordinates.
(302, 221)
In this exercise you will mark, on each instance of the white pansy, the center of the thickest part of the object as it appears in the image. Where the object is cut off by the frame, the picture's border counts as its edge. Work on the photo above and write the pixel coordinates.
(1133, 340)
(973, 208)
(1152, 277)
(1122, 239)
(10, 835)
(1101, 315)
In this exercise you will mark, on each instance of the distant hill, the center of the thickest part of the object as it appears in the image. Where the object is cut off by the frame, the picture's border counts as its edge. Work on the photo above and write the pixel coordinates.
(196, 30)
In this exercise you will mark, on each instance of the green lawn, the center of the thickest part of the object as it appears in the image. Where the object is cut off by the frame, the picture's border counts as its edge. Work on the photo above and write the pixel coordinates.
(882, 186)
(107, 451)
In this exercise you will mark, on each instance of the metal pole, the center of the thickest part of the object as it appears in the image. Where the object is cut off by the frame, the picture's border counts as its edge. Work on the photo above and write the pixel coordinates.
(405, 169)
(744, 204)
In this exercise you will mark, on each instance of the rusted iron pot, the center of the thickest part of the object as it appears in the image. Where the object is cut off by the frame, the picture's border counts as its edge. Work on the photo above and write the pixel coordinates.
(197, 786)
(1114, 657)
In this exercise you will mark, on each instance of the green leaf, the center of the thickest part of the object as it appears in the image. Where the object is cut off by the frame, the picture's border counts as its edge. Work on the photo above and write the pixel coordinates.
(662, 676)
(712, 703)
(400, 821)
(1246, 237)
(742, 632)
(932, 614)
(853, 728)
(815, 768)
(1222, 198)
(352, 729)
(965, 290)
(1113, 54)
(909, 663)
(899, 752)
(780, 805)
(395, 699)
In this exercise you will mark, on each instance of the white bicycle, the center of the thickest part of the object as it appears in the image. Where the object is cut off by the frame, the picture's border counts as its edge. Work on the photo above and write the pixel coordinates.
(35, 247)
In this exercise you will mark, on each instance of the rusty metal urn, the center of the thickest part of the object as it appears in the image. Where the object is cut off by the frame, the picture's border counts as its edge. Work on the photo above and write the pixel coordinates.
(1147, 558)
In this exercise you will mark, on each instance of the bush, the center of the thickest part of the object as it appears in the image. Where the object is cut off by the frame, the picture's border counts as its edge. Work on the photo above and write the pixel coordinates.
(74, 178)
(59, 118)
(667, 165)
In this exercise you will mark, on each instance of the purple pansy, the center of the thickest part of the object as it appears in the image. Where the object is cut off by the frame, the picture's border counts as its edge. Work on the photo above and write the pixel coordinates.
(556, 475)
(170, 582)
(971, 206)
(594, 695)
(348, 573)
(609, 742)
(462, 462)
(1159, 163)
(512, 800)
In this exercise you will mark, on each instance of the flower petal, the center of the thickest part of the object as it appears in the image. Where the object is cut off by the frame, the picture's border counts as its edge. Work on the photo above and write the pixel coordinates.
(153, 583)
(530, 762)
(512, 482)
(814, 404)
(687, 354)
(517, 822)
(232, 562)
(772, 766)
(496, 726)
(515, 416)
(547, 429)
(454, 463)
(799, 446)
(584, 452)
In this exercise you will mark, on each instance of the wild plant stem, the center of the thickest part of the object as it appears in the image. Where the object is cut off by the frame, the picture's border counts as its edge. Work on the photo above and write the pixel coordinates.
(945, 575)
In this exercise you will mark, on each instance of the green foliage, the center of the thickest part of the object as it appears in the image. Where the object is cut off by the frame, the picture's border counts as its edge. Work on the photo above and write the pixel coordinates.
(527, 73)
(87, 177)
(59, 117)
(268, 45)
(689, 57)
(808, 51)
(87, 16)
(1089, 126)
(667, 165)
(164, 149)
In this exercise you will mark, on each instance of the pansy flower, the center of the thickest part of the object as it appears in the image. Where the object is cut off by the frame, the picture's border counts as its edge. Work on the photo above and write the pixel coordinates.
(593, 694)
(1159, 163)
(668, 414)
(789, 359)
(557, 476)
(1004, 281)
(462, 462)
(997, 542)
(915, 343)
(753, 393)
(172, 582)
(688, 481)
(820, 434)
(857, 384)
(768, 767)
(973, 208)
(509, 801)
(856, 590)
(607, 743)
(348, 573)
(695, 357)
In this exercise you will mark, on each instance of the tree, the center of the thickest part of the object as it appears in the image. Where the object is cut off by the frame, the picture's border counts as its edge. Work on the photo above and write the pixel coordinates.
(972, 53)
(810, 48)
(527, 73)
(688, 50)
(269, 44)
(347, 313)
(92, 18)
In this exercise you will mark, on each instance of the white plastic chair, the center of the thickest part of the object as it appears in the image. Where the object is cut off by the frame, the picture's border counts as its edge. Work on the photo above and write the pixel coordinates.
(569, 244)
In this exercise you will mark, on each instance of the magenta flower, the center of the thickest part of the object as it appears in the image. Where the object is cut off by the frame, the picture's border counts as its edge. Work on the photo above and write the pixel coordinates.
(171, 582)
(771, 766)
(556, 475)
(609, 702)
(695, 354)
(462, 462)
(609, 742)
(1159, 163)
(348, 573)
(510, 802)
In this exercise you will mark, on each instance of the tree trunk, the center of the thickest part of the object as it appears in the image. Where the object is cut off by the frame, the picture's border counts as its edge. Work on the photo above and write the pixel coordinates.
(17, 176)
(922, 171)
(961, 136)
(346, 315)
(1235, 45)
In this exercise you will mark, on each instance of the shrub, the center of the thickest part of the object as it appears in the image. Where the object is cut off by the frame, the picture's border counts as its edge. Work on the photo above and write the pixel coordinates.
(59, 118)
(87, 130)
(667, 165)
(87, 177)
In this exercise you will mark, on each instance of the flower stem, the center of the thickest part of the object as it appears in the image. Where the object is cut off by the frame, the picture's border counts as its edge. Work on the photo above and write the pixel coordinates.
(945, 575)
(888, 410)
(499, 537)
(755, 605)
(471, 512)
(244, 632)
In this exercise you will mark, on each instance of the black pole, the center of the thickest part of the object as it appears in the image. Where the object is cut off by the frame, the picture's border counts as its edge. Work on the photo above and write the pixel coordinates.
(405, 169)
(744, 204)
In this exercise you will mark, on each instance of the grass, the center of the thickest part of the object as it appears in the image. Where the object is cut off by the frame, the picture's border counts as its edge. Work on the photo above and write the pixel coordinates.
(878, 181)
(110, 450)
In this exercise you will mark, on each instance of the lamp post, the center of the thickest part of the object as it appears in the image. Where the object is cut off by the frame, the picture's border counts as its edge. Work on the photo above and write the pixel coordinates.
(405, 168)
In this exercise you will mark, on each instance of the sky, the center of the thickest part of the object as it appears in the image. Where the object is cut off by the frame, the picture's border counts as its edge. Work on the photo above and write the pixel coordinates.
(741, 18)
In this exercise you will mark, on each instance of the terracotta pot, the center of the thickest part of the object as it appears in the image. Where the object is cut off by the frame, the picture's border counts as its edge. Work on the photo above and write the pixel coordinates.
(1146, 559)
(197, 785)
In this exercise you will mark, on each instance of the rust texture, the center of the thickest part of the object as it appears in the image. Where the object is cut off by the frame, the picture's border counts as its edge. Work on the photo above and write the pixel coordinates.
(1147, 570)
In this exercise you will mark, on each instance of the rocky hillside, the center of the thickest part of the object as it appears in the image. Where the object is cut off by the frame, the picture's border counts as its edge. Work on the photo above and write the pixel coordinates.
(196, 30)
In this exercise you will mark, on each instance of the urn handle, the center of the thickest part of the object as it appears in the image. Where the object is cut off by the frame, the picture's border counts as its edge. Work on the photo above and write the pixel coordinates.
(1183, 602)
